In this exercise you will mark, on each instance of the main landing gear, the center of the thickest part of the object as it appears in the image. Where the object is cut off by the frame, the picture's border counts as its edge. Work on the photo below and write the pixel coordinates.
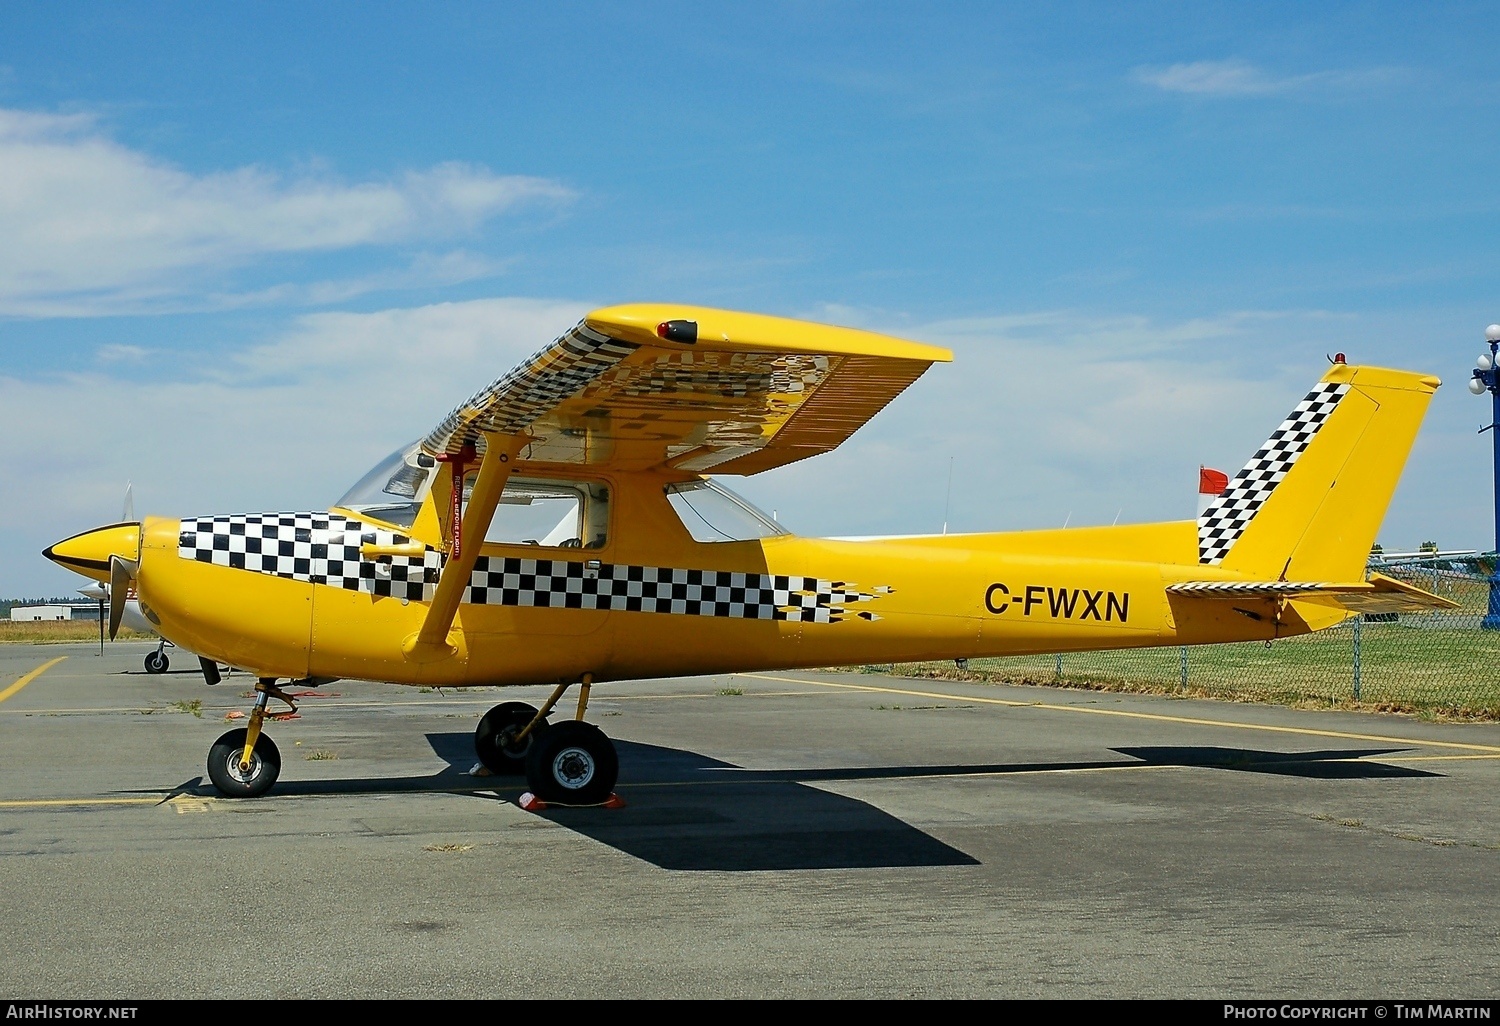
(244, 763)
(566, 763)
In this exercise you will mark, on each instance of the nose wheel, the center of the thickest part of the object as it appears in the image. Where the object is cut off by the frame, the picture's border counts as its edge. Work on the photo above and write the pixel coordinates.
(230, 774)
(244, 763)
(157, 662)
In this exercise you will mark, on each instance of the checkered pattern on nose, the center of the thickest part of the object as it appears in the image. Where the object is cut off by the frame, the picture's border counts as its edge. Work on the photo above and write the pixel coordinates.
(1227, 516)
(652, 589)
(320, 548)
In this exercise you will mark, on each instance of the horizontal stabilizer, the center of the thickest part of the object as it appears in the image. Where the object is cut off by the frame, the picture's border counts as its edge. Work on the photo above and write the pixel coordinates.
(1380, 594)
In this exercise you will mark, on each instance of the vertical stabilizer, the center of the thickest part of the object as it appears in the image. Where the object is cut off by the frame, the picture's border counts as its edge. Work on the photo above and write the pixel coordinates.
(1309, 503)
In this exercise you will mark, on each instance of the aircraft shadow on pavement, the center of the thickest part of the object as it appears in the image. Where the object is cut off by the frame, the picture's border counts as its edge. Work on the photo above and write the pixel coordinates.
(686, 811)
(1337, 764)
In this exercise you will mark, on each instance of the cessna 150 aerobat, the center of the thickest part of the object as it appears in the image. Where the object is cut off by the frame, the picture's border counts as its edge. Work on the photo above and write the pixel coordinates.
(560, 527)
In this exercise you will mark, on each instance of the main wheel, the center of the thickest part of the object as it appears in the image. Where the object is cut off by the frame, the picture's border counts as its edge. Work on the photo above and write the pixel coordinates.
(224, 765)
(156, 662)
(572, 763)
(492, 737)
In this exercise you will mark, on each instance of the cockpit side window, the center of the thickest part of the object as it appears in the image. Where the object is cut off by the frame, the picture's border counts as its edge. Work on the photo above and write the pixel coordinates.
(550, 513)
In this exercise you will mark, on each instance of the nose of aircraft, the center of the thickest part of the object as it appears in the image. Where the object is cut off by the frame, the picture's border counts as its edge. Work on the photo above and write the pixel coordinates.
(88, 553)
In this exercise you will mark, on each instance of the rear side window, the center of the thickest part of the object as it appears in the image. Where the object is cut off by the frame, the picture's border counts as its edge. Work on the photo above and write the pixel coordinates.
(712, 513)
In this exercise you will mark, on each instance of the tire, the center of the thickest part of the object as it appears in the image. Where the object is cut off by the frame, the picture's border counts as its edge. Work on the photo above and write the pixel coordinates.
(224, 765)
(495, 730)
(157, 662)
(572, 763)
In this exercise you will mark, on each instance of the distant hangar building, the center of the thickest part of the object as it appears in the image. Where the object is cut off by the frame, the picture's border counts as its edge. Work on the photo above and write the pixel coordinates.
(81, 611)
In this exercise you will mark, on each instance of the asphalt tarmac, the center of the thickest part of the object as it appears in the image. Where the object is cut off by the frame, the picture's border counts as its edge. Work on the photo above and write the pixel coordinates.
(800, 834)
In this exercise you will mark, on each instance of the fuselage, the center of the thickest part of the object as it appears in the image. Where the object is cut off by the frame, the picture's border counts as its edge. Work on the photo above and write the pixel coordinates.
(290, 595)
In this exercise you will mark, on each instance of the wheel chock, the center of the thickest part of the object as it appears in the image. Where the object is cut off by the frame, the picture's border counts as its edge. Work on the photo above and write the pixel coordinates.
(531, 803)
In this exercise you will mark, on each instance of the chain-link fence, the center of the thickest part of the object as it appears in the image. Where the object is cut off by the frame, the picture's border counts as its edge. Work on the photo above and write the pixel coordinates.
(1441, 663)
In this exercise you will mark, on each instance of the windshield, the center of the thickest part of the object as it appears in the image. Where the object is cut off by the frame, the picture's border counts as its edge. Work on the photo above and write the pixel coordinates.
(393, 491)
(712, 513)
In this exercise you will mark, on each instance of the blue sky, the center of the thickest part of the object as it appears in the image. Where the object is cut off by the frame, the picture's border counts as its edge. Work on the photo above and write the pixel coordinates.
(224, 232)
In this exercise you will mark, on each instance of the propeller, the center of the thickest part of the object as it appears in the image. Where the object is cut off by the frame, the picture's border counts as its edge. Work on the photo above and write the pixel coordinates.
(121, 573)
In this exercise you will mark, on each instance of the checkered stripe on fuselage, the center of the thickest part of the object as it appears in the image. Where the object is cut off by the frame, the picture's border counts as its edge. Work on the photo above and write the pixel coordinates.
(320, 548)
(324, 548)
(560, 584)
(1227, 516)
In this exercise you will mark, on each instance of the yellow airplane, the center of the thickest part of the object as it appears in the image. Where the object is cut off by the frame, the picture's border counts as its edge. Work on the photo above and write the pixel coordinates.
(562, 527)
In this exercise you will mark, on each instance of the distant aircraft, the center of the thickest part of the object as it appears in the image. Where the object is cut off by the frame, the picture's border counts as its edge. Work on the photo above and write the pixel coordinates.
(561, 527)
(130, 617)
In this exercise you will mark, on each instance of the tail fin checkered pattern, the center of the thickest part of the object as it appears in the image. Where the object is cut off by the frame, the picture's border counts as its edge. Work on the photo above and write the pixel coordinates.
(1227, 516)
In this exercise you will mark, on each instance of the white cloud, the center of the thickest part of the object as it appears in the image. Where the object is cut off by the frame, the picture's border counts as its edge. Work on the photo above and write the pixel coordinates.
(116, 352)
(1236, 77)
(87, 224)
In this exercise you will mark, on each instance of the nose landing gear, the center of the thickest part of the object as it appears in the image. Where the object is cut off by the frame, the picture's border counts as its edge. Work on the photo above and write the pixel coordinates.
(157, 662)
(226, 767)
(244, 763)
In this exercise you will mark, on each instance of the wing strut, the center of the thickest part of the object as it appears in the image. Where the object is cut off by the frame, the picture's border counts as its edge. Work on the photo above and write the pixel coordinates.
(431, 642)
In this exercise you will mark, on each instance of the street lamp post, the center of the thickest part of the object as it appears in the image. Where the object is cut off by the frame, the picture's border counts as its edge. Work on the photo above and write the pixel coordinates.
(1487, 379)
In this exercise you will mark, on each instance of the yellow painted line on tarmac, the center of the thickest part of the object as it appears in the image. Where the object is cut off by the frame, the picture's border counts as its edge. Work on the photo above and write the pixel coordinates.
(28, 678)
(39, 803)
(185, 803)
(696, 694)
(1157, 717)
(1432, 758)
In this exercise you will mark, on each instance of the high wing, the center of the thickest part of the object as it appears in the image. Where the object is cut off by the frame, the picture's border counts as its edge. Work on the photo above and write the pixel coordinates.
(691, 388)
(1380, 594)
(650, 386)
